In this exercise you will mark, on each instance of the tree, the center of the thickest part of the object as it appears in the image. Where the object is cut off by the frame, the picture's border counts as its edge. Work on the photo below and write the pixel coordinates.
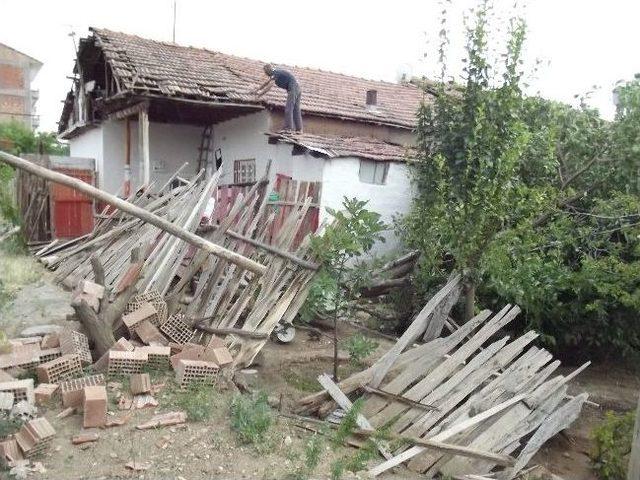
(470, 141)
(352, 232)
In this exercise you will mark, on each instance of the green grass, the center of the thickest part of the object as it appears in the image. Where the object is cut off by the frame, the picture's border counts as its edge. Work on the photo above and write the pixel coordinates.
(198, 401)
(300, 382)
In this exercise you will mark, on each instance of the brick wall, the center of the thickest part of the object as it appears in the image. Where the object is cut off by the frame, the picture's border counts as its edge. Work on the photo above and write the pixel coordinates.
(11, 76)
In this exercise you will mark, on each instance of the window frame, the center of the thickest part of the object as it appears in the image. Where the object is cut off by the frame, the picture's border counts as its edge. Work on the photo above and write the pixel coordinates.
(237, 171)
(384, 165)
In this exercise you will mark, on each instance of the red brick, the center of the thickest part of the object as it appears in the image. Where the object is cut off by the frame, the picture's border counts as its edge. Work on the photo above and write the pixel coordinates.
(221, 356)
(34, 436)
(95, 406)
(196, 371)
(50, 340)
(146, 311)
(21, 389)
(10, 452)
(149, 333)
(126, 362)
(75, 342)
(140, 383)
(66, 366)
(45, 392)
(71, 390)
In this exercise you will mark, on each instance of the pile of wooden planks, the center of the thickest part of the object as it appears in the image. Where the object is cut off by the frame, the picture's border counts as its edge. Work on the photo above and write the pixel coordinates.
(475, 389)
(258, 276)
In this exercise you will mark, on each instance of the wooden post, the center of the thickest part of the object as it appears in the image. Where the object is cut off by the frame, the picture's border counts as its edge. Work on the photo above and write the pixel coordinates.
(143, 146)
(134, 210)
(634, 460)
(127, 159)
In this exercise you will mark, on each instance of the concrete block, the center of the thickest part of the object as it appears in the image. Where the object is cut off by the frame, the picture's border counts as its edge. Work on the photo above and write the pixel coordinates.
(95, 406)
(140, 383)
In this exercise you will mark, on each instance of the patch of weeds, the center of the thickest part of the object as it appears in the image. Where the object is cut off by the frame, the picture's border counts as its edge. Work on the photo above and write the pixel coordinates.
(312, 455)
(612, 440)
(300, 382)
(348, 424)
(196, 400)
(359, 348)
(251, 418)
(9, 426)
(27, 374)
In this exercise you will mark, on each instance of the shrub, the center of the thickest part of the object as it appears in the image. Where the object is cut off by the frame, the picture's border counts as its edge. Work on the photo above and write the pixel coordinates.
(251, 418)
(359, 348)
(612, 439)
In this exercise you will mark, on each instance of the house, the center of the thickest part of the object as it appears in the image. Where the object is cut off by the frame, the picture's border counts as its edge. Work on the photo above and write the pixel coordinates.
(142, 108)
(17, 99)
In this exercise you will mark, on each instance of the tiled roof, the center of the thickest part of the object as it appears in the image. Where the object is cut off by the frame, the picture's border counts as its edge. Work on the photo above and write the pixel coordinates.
(333, 146)
(168, 69)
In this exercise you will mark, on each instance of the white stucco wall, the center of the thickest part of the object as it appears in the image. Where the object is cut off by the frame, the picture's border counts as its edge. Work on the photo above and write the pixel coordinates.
(89, 145)
(170, 146)
(341, 178)
(244, 138)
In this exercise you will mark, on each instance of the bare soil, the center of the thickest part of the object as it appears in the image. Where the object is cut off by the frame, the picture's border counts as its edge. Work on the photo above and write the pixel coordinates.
(210, 449)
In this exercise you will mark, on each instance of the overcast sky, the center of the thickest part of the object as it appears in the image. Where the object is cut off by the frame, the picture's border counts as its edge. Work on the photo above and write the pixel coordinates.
(581, 43)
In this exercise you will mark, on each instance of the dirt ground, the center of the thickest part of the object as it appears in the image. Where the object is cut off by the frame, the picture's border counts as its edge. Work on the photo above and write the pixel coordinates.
(210, 449)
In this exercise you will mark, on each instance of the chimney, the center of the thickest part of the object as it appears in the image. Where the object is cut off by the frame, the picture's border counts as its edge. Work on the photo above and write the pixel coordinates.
(372, 99)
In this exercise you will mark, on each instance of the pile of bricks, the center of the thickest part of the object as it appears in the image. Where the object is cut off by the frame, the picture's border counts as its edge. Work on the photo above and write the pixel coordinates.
(71, 390)
(72, 342)
(66, 366)
(35, 436)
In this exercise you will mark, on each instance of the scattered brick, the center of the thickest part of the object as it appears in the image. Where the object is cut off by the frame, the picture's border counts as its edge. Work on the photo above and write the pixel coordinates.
(10, 452)
(196, 371)
(195, 352)
(158, 357)
(123, 345)
(177, 330)
(154, 298)
(215, 342)
(220, 355)
(85, 438)
(149, 333)
(145, 311)
(117, 421)
(44, 392)
(163, 420)
(24, 356)
(34, 438)
(49, 354)
(75, 342)
(21, 389)
(126, 362)
(92, 288)
(140, 383)
(71, 390)
(143, 401)
(94, 406)
(50, 340)
(66, 412)
(91, 300)
(67, 366)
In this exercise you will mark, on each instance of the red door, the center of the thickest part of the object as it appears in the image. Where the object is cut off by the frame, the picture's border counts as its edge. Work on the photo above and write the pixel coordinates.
(72, 211)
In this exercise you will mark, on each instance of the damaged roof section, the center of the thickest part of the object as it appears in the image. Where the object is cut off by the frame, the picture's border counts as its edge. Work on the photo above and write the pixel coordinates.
(333, 146)
(143, 66)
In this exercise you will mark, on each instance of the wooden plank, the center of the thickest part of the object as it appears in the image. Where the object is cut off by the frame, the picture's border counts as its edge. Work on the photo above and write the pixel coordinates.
(442, 436)
(342, 400)
(417, 328)
(134, 210)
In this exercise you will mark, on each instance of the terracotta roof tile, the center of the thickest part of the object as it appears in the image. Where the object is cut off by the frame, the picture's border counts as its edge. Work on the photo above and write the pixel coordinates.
(334, 146)
(144, 65)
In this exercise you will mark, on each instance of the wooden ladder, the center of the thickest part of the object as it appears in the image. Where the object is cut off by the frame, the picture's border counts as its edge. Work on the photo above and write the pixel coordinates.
(205, 146)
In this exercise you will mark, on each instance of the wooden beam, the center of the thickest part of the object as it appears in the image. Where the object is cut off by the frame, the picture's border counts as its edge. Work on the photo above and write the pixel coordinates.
(136, 211)
(228, 331)
(143, 148)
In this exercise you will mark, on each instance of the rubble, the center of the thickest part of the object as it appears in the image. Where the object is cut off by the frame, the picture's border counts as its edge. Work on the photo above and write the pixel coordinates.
(164, 420)
(94, 406)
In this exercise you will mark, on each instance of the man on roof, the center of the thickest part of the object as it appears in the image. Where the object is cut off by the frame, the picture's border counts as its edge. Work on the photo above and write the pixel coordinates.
(286, 80)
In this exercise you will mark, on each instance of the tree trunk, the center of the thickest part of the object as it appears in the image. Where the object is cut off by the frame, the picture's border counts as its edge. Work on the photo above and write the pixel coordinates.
(470, 300)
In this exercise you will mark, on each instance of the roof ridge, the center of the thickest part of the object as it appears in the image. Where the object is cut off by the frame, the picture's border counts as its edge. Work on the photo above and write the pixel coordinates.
(219, 53)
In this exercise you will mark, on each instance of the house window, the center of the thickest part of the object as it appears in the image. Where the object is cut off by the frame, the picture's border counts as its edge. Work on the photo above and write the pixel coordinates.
(373, 172)
(244, 171)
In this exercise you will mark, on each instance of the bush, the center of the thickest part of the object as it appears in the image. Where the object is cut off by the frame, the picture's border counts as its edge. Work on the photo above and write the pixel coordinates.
(612, 439)
(251, 418)
(359, 348)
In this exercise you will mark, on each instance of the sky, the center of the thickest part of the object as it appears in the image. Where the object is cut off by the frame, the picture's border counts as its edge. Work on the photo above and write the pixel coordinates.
(577, 44)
